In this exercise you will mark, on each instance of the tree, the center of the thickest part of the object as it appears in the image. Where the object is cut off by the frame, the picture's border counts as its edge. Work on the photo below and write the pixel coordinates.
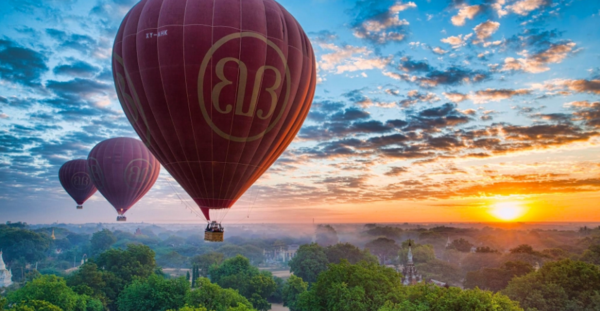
(461, 245)
(345, 287)
(213, 297)
(347, 251)
(496, 279)
(54, 290)
(18, 243)
(388, 232)
(310, 260)
(293, 288)
(277, 295)
(112, 271)
(561, 285)
(101, 241)
(424, 297)
(422, 253)
(592, 255)
(237, 273)
(206, 260)
(440, 270)
(326, 235)
(34, 305)
(383, 248)
(154, 293)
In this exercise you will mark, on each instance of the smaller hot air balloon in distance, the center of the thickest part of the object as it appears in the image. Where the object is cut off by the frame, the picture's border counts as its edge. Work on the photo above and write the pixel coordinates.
(123, 170)
(74, 177)
(217, 90)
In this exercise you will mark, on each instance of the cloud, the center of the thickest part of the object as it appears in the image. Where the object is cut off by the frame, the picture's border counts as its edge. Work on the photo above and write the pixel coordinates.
(396, 171)
(564, 87)
(409, 65)
(21, 65)
(537, 63)
(457, 41)
(415, 97)
(438, 50)
(77, 68)
(349, 59)
(487, 95)
(78, 42)
(465, 12)
(386, 26)
(523, 7)
(486, 29)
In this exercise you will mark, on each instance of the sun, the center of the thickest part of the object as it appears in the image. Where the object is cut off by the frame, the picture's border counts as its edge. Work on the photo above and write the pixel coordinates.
(507, 211)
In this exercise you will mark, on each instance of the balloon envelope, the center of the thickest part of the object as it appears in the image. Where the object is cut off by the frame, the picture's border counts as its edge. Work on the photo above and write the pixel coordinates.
(123, 170)
(216, 89)
(74, 177)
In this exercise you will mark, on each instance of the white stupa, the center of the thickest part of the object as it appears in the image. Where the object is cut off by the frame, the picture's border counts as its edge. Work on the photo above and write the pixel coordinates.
(5, 275)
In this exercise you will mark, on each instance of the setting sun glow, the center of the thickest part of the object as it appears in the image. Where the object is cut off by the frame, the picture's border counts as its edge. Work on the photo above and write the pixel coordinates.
(507, 211)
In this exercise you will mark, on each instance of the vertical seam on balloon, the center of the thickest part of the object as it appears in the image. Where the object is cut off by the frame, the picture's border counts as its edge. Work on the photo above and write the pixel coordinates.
(225, 165)
(285, 140)
(230, 191)
(247, 184)
(212, 134)
(163, 151)
(158, 40)
(198, 189)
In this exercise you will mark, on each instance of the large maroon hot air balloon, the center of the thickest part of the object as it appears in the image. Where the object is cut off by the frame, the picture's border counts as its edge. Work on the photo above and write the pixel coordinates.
(216, 89)
(74, 177)
(123, 170)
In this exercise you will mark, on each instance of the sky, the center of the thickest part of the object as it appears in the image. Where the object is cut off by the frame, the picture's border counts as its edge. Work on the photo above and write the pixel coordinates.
(425, 111)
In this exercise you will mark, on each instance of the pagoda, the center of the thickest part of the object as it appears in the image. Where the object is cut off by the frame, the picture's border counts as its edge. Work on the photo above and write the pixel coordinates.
(5, 275)
(53, 237)
(409, 272)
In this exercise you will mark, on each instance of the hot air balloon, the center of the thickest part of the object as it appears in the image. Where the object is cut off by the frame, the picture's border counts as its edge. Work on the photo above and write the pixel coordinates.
(217, 90)
(74, 177)
(123, 170)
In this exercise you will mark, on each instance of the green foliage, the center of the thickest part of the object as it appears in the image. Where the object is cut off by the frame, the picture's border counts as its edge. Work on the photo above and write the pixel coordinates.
(326, 235)
(424, 297)
(102, 240)
(35, 305)
(18, 243)
(364, 286)
(310, 260)
(277, 296)
(135, 261)
(53, 290)
(112, 271)
(213, 297)
(188, 308)
(255, 254)
(383, 248)
(237, 273)
(422, 253)
(172, 259)
(461, 245)
(293, 288)
(592, 255)
(154, 293)
(388, 232)
(496, 279)
(335, 253)
(206, 260)
(562, 285)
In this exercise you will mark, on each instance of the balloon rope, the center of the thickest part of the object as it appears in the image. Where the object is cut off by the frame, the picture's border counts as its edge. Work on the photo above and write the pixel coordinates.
(192, 210)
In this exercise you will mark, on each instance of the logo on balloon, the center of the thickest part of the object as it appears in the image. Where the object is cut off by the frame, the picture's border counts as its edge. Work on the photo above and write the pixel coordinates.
(237, 108)
(96, 173)
(137, 173)
(81, 181)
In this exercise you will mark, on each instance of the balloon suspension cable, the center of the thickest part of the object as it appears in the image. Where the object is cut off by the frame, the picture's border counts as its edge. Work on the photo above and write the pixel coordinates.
(256, 193)
(192, 210)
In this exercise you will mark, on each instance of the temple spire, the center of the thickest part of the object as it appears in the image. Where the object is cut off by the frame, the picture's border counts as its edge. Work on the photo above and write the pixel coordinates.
(410, 255)
(53, 237)
(2, 265)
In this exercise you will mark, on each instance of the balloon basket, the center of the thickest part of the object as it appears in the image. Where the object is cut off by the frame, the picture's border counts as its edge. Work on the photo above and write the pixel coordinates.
(79, 206)
(210, 236)
(121, 218)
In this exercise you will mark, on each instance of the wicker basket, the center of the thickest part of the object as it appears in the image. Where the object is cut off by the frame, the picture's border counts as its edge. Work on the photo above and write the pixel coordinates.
(213, 236)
